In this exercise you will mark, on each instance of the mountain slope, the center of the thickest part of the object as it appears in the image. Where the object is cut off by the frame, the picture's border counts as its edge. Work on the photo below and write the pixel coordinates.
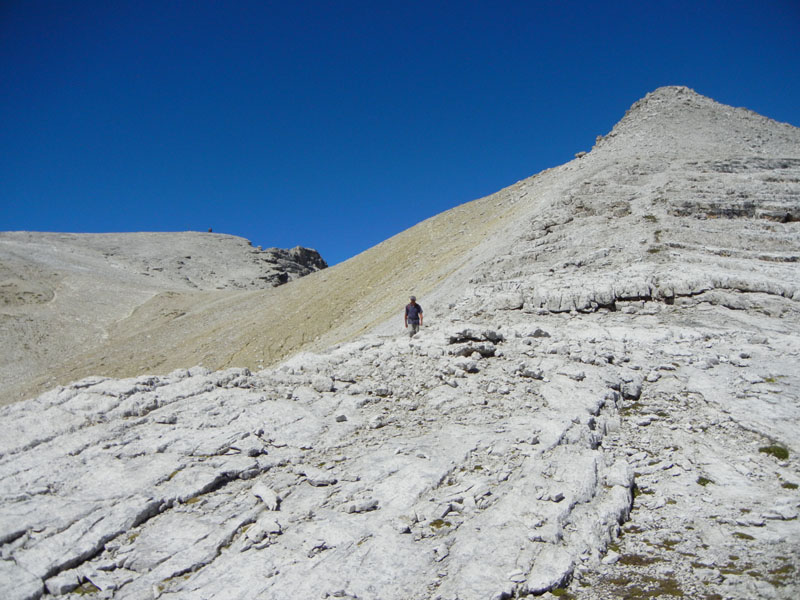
(675, 154)
(62, 293)
(603, 400)
(220, 328)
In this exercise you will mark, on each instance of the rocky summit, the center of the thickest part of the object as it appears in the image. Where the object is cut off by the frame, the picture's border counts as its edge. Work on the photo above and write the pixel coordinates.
(602, 403)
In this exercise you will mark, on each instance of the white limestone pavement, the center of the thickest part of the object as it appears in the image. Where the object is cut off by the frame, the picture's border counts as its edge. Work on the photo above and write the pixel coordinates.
(437, 481)
(409, 477)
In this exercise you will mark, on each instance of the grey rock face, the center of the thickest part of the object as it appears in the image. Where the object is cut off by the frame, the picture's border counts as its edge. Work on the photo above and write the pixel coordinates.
(306, 259)
(586, 413)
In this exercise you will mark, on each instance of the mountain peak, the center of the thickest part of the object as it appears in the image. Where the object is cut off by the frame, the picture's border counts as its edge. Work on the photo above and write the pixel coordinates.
(672, 93)
(676, 120)
(672, 101)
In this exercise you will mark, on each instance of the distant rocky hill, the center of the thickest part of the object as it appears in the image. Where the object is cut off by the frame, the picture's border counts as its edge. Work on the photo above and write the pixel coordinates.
(62, 292)
(602, 403)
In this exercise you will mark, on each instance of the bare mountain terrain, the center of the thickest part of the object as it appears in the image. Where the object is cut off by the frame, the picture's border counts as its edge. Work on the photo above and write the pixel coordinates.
(63, 293)
(603, 401)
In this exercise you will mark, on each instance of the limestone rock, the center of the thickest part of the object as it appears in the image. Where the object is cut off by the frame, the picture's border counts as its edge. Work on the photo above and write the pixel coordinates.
(18, 583)
(552, 568)
(323, 384)
(266, 495)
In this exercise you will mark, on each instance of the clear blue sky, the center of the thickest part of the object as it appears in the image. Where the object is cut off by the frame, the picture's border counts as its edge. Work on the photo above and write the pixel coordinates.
(335, 125)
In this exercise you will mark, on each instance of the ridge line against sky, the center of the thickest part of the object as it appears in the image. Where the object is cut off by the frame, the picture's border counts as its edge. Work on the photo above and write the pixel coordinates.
(337, 125)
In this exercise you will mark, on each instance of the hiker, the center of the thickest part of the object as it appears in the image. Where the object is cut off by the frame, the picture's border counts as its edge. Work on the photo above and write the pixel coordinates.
(413, 316)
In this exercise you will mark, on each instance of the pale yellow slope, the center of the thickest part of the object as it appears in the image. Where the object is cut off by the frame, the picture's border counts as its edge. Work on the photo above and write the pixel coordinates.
(258, 328)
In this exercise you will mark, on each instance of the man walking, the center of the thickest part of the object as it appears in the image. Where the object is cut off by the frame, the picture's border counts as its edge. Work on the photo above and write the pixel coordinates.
(413, 316)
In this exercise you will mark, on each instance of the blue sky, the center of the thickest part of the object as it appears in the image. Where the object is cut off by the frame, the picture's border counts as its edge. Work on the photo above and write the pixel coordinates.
(335, 125)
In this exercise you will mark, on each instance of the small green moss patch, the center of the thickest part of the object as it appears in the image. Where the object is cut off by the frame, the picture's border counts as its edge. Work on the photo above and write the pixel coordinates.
(637, 560)
(86, 588)
(784, 570)
(782, 575)
(789, 486)
(755, 574)
(632, 529)
(646, 586)
(743, 536)
(664, 587)
(439, 523)
(704, 481)
(631, 408)
(778, 452)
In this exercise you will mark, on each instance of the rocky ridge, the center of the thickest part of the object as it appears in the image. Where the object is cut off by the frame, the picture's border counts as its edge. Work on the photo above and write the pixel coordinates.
(62, 292)
(603, 403)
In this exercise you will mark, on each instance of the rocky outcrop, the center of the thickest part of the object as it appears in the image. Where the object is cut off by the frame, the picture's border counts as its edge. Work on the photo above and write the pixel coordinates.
(287, 265)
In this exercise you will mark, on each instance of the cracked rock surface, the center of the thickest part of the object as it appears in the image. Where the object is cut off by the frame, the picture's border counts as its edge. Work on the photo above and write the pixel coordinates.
(603, 403)
(205, 483)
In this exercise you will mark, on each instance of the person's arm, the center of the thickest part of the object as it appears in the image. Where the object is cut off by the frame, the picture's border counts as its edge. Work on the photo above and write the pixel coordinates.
(405, 318)
(420, 317)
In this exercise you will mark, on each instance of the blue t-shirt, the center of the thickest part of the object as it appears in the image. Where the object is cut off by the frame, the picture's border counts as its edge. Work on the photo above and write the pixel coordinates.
(413, 312)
